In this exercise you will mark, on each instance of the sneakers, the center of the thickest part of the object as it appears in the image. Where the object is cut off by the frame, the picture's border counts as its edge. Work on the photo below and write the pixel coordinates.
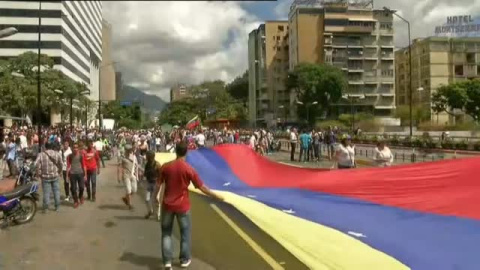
(167, 266)
(185, 263)
(75, 205)
(82, 200)
(67, 198)
(148, 215)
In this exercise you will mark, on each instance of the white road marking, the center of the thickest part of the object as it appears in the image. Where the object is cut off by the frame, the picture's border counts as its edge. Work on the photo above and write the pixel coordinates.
(256, 247)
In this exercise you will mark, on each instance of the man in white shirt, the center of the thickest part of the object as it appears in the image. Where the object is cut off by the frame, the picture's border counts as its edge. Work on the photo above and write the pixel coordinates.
(293, 143)
(23, 140)
(253, 141)
(383, 156)
(66, 151)
(99, 147)
(200, 139)
(345, 154)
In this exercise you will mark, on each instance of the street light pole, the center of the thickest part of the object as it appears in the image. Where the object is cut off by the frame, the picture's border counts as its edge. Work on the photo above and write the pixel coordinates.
(410, 100)
(39, 93)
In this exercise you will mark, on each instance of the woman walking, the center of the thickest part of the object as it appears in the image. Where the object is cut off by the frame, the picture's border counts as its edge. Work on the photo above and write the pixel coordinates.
(151, 174)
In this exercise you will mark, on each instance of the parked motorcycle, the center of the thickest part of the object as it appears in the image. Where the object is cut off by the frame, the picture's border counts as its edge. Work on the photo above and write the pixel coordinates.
(20, 204)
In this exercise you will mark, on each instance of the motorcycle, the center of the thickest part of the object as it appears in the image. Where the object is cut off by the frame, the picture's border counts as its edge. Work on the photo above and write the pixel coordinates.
(20, 204)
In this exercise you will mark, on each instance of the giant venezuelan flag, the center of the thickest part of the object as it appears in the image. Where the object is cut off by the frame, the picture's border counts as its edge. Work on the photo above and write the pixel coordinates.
(421, 216)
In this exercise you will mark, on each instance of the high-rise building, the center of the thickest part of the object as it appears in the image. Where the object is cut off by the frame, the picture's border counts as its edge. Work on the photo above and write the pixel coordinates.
(71, 34)
(107, 70)
(353, 37)
(268, 69)
(118, 85)
(436, 61)
(178, 92)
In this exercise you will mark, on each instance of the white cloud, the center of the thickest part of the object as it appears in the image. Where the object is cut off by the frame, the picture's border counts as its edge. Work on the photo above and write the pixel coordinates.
(159, 44)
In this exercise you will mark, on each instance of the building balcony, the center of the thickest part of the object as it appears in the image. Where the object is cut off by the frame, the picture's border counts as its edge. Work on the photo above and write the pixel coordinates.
(371, 56)
(386, 32)
(387, 57)
(387, 80)
(356, 82)
(355, 69)
(341, 65)
(359, 29)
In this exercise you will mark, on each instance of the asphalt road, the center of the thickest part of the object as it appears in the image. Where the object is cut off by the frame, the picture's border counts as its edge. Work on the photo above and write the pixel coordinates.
(105, 235)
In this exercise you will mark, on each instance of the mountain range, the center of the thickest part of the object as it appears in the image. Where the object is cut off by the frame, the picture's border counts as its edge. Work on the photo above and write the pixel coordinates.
(150, 103)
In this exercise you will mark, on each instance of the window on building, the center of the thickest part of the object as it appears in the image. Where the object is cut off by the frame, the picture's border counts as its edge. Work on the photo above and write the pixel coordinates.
(387, 73)
(478, 70)
(385, 26)
(274, 38)
(280, 28)
(458, 70)
(471, 58)
(278, 38)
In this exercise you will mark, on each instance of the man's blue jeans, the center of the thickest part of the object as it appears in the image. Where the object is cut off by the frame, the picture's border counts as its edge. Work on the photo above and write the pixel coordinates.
(185, 224)
(47, 187)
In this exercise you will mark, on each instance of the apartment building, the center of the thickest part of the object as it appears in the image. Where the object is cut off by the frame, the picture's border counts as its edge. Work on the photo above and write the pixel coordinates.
(354, 37)
(268, 69)
(178, 92)
(436, 61)
(71, 34)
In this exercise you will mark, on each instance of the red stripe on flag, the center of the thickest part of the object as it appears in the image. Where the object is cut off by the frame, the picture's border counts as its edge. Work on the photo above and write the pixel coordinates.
(450, 187)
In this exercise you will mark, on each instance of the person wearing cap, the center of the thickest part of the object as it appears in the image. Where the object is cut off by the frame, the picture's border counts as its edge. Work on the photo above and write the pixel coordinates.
(345, 154)
(130, 174)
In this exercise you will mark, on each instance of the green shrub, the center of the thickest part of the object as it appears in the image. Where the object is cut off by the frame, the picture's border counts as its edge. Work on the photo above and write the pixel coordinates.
(431, 144)
(418, 143)
(447, 144)
(407, 142)
(325, 124)
(476, 146)
(462, 145)
(394, 140)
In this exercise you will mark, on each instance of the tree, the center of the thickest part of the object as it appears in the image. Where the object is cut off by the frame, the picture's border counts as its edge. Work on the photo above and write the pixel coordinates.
(316, 82)
(18, 84)
(208, 100)
(463, 96)
(419, 113)
(179, 112)
(238, 88)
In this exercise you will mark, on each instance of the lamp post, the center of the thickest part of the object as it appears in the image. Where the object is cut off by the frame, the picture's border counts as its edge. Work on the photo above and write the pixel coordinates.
(39, 87)
(410, 65)
(307, 106)
(351, 99)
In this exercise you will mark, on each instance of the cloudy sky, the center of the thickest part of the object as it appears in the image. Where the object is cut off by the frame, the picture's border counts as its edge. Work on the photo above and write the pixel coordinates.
(159, 44)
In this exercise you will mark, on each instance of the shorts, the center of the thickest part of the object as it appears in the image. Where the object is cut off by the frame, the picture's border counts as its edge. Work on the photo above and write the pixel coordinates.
(130, 184)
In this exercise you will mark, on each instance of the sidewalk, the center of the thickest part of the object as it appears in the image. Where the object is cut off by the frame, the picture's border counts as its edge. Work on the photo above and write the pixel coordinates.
(100, 235)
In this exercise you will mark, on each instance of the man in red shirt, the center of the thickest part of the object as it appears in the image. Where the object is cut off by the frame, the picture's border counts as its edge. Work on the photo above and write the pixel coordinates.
(176, 177)
(92, 163)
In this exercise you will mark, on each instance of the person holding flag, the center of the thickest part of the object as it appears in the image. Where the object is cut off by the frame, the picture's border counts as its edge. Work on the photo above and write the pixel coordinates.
(192, 124)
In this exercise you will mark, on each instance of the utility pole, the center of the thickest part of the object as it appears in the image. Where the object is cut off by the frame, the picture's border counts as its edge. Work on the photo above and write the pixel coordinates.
(39, 91)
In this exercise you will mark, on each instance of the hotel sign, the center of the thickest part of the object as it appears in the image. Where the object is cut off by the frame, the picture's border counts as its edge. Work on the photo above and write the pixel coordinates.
(459, 26)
